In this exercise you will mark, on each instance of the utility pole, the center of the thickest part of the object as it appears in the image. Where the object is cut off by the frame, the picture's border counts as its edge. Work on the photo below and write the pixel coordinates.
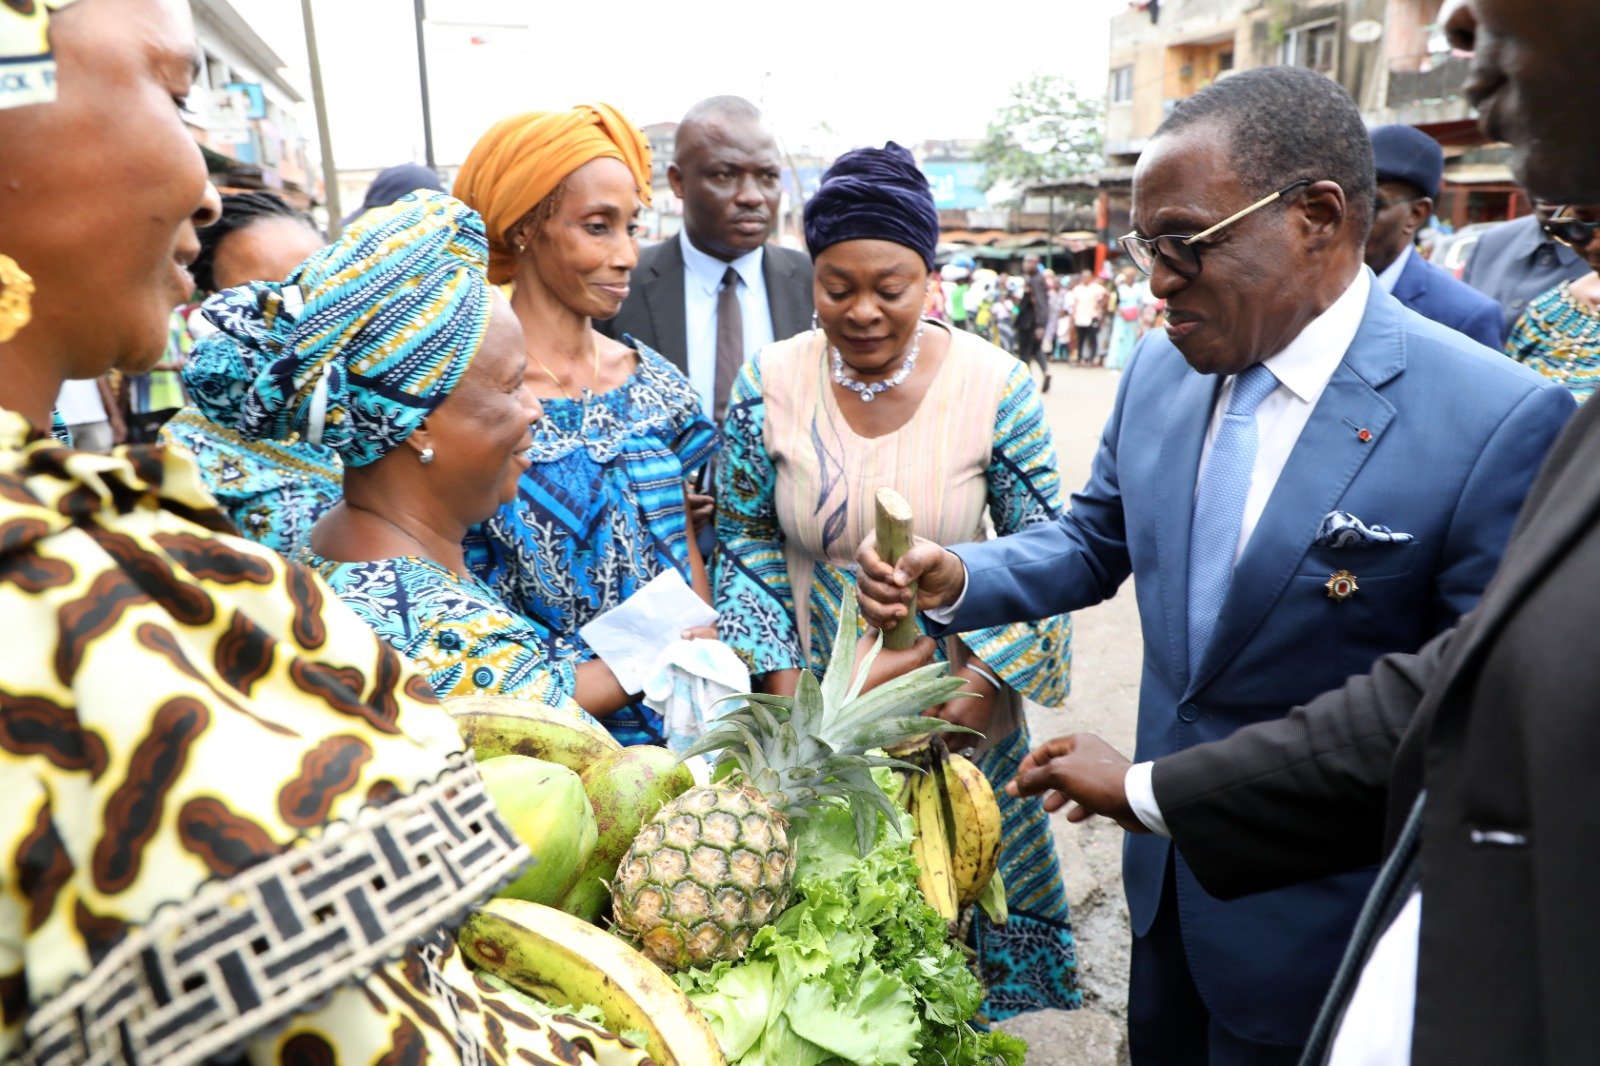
(422, 72)
(330, 174)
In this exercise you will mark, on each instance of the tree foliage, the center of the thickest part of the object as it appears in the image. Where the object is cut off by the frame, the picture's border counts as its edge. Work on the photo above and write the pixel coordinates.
(1047, 132)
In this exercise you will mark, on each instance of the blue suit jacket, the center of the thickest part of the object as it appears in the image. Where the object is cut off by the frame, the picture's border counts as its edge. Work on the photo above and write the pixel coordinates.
(1456, 434)
(1432, 292)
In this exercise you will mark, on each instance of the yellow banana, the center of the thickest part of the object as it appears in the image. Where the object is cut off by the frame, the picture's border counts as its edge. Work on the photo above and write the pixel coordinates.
(931, 846)
(976, 832)
(564, 961)
(503, 725)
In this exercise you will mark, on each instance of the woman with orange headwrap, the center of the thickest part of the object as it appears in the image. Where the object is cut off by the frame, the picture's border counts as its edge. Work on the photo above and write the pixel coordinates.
(601, 511)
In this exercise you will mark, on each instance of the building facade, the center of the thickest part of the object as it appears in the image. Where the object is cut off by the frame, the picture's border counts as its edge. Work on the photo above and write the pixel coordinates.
(246, 113)
(1390, 55)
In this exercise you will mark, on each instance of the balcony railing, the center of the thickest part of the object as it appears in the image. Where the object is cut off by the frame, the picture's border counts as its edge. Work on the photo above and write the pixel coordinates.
(1441, 80)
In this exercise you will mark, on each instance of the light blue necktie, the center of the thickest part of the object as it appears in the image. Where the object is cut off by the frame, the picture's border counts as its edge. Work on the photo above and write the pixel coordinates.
(1219, 506)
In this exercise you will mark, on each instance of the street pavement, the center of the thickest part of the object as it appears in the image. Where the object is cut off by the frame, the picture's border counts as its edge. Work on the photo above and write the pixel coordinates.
(1106, 655)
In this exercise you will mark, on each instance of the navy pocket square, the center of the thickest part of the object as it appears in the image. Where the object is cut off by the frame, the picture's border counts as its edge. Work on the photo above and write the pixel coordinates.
(1341, 529)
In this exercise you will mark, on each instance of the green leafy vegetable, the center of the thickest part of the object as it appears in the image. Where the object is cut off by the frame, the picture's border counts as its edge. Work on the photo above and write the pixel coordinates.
(859, 969)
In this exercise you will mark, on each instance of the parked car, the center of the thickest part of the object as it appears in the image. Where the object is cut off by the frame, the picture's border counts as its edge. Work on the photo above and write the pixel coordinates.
(1452, 250)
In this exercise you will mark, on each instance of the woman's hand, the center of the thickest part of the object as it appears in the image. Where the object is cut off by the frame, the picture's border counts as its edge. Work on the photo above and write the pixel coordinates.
(972, 707)
(888, 665)
(884, 591)
(702, 508)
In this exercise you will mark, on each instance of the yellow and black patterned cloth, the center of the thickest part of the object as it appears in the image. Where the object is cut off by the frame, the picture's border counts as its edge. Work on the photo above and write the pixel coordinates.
(234, 822)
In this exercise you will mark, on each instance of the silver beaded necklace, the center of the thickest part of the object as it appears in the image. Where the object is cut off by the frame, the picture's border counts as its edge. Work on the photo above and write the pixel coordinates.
(868, 391)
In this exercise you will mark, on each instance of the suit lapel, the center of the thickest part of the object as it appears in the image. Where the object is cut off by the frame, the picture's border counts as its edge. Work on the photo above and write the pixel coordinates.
(785, 300)
(1181, 442)
(1324, 461)
(1412, 284)
(663, 297)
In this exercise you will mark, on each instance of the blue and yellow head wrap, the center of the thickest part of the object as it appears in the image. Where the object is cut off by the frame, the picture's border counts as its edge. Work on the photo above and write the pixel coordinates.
(360, 344)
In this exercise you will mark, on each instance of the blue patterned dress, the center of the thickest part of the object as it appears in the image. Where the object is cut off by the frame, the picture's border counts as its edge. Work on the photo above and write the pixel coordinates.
(274, 491)
(453, 627)
(794, 492)
(600, 512)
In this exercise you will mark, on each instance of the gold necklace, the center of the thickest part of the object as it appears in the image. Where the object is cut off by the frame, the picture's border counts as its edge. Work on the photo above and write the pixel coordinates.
(594, 373)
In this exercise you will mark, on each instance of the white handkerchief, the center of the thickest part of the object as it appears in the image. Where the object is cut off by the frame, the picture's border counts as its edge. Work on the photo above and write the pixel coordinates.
(631, 636)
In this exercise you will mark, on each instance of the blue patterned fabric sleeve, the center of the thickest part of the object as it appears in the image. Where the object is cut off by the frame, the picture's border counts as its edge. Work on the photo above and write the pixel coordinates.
(753, 595)
(1024, 488)
(463, 639)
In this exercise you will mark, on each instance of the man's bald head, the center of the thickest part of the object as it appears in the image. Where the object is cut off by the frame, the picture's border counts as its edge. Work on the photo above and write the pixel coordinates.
(725, 170)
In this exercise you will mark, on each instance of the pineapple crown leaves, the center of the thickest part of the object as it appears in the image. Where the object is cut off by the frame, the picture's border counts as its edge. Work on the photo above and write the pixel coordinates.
(823, 740)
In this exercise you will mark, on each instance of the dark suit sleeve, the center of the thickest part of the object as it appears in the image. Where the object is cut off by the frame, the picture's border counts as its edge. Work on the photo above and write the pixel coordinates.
(1298, 797)
(1050, 568)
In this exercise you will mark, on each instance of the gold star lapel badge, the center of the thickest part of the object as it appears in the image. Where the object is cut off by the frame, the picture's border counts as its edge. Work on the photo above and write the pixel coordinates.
(1341, 585)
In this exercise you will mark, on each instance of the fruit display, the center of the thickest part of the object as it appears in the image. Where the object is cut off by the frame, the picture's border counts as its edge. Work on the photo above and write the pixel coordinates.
(545, 806)
(716, 864)
(785, 911)
(957, 829)
(626, 789)
(500, 725)
(564, 961)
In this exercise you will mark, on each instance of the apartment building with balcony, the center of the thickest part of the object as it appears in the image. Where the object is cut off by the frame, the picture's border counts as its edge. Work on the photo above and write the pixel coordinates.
(1390, 55)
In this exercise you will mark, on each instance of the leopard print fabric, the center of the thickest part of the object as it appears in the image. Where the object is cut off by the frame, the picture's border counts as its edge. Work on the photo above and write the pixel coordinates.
(235, 823)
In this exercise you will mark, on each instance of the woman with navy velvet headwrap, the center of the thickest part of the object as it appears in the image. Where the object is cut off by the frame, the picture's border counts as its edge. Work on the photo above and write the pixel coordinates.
(877, 396)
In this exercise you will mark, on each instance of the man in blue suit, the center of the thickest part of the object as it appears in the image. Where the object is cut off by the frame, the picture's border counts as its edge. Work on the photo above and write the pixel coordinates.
(1301, 474)
(1409, 166)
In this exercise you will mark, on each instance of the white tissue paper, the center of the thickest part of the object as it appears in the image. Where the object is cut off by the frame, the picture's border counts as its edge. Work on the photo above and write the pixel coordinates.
(688, 678)
(630, 637)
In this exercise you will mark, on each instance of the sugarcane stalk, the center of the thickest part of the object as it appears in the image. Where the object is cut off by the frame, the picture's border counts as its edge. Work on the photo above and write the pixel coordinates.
(894, 540)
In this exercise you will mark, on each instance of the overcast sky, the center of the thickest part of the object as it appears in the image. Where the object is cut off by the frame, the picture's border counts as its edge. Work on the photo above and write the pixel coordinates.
(829, 76)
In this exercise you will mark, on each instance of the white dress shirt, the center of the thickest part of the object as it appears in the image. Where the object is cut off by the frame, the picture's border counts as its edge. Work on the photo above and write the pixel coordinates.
(702, 278)
(1391, 273)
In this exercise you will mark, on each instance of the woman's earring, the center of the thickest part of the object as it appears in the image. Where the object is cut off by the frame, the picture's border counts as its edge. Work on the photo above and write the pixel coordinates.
(426, 455)
(813, 321)
(16, 298)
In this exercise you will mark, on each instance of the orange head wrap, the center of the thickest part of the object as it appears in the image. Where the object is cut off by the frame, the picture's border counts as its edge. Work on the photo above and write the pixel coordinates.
(523, 158)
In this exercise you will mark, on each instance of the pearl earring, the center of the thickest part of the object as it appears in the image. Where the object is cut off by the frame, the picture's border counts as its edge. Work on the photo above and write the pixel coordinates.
(426, 456)
(813, 321)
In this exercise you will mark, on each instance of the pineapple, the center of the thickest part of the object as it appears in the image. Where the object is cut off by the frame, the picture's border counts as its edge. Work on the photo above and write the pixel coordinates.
(717, 863)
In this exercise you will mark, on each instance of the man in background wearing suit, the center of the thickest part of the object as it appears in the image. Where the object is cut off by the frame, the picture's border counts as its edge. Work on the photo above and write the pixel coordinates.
(1470, 764)
(718, 292)
(1410, 165)
(1300, 478)
(1515, 261)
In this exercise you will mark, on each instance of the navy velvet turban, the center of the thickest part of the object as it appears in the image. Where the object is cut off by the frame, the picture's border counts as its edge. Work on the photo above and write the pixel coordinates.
(874, 194)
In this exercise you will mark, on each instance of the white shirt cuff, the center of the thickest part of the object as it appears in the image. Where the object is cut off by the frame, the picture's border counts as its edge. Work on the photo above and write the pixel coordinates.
(1139, 784)
(944, 615)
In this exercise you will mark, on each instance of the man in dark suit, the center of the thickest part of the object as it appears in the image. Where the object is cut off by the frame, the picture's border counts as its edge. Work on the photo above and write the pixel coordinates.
(1300, 479)
(1410, 165)
(1515, 261)
(1471, 764)
(718, 292)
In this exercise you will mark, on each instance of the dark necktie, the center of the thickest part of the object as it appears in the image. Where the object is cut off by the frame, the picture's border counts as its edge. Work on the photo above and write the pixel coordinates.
(730, 342)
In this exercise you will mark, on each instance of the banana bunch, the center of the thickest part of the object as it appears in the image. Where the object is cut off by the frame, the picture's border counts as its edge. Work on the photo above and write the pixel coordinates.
(564, 961)
(956, 831)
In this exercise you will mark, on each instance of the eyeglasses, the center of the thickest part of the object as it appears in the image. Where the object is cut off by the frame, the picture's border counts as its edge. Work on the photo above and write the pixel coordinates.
(1182, 254)
(1575, 233)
